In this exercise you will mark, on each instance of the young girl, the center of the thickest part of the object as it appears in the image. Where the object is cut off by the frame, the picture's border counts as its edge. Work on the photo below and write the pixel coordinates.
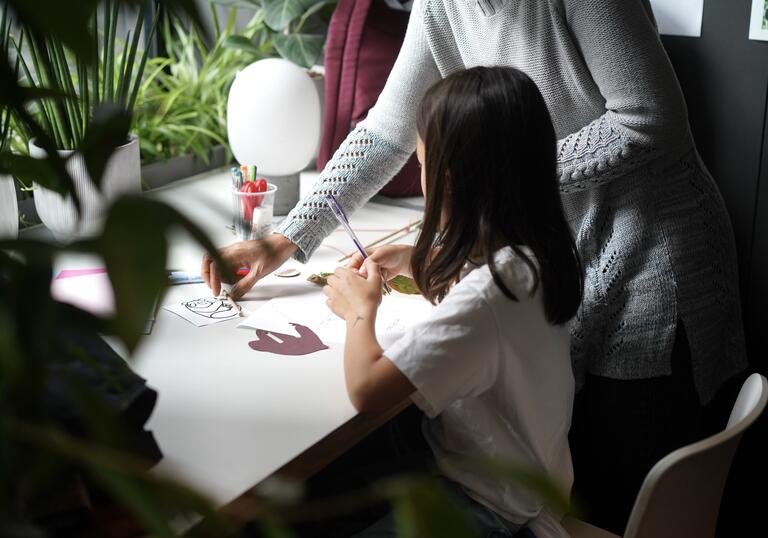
(491, 367)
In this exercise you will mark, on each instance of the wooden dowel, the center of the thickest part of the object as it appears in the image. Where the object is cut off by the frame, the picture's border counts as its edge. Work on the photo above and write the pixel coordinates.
(401, 232)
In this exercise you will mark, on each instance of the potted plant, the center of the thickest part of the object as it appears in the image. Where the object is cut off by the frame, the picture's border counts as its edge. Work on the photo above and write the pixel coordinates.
(180, 116)
(294, 29)
(9, 211)
(95, 92)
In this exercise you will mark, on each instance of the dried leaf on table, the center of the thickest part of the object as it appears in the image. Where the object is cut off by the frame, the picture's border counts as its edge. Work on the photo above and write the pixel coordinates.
(404, 285)
(319, 279)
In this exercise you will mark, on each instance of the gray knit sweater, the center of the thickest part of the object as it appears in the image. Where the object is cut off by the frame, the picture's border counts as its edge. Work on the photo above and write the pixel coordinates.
(649, 222)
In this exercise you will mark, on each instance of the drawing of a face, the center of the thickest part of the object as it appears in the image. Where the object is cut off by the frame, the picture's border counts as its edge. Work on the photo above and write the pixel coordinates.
(210, 307)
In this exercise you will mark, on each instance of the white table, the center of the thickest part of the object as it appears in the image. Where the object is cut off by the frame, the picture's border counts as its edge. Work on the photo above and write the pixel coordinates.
(227, 417)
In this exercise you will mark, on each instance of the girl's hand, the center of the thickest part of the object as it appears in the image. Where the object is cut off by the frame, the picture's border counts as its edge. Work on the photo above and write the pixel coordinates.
(352, 296)
(393, 260)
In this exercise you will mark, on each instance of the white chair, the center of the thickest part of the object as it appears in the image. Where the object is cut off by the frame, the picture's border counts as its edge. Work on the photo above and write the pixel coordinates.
(680, 497)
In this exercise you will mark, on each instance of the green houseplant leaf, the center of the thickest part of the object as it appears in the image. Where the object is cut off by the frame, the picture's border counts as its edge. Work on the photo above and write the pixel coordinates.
(49, 65)
(29, 169)
(278, 14)
(248, 4)
(66, 22)
(295, 30)
(240, 42)
(182, 101)
(302, 49)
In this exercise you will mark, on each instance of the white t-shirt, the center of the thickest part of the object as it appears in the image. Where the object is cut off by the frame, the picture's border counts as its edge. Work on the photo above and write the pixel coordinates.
(494, 377)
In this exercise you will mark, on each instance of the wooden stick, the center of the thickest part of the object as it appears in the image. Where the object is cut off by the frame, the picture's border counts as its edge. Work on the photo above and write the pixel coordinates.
(405, 230)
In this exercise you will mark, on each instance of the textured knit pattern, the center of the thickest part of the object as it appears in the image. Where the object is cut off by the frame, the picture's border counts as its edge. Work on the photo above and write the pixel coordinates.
(352, 176)
(649, 222)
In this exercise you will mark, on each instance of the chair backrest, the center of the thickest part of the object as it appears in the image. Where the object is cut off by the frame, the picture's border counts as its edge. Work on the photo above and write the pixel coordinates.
(681, 495)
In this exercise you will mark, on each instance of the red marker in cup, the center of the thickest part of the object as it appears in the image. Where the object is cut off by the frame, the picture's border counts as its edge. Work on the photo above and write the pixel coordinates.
(249, 203)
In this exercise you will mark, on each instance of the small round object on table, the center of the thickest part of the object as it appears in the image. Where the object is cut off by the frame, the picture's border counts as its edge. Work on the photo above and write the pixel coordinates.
(288, 273)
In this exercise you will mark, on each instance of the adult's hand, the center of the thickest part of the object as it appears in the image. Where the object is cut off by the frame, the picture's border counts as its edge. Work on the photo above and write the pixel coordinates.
(393, 260)
(262, 257)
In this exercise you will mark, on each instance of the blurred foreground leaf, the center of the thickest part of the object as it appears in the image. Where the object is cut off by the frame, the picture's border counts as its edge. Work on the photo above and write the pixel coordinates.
(107, 131)
(525, 477)
(422, 508)
(30, 169)
(154, 500)
(134, 244)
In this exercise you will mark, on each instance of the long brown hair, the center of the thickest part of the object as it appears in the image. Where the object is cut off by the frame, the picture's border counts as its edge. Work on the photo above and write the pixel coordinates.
(491, 183)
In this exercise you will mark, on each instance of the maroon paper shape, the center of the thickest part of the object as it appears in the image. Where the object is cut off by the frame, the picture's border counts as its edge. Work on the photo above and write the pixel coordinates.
(307, 342)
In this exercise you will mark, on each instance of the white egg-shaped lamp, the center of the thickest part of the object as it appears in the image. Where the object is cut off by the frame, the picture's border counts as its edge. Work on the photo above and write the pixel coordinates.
(273, 122)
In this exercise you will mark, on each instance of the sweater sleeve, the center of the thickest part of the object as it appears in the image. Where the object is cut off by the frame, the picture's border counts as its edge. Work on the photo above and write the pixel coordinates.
(376, 148)
(645, 112)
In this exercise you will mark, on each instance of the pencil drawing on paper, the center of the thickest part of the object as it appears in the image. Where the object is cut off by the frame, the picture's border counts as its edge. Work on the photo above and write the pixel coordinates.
(211, 307)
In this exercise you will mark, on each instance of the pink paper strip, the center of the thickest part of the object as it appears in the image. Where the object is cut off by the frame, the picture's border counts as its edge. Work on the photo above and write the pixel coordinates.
(69, 273)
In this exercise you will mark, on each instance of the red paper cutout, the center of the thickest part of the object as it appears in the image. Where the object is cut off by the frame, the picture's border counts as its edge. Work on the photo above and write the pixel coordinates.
(307, 342)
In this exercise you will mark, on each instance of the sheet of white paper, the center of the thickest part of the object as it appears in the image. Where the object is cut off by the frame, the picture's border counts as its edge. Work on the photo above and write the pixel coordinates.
(396, 313)
(758, 21)
(204, 311)
(92, 293)
(268, 319)
(679, 17)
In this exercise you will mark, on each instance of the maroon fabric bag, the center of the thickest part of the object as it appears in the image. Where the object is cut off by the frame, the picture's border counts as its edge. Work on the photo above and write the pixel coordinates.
(364, 38)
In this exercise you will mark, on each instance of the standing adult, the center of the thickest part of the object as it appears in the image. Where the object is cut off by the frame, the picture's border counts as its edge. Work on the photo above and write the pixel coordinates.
(659, 330)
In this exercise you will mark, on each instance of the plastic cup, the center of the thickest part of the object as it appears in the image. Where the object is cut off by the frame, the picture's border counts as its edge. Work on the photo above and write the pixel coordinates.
(252, 213)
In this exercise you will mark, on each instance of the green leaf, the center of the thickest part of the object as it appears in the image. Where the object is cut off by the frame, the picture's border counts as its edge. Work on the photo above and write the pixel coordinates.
(302, 49)
(247, 4)
(66, 22)
(278, 14)
(134, 245)
(142, 66)
(28, 170)
(315, 8)
(107, 131)
(271, 528)
(423, 508)
(36, 94)
(533, 480)
(154, 500)
(239, 42)
(404, 284)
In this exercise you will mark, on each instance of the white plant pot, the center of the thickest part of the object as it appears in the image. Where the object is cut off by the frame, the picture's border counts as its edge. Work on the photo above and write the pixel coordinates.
(122, 175)
(9, 209)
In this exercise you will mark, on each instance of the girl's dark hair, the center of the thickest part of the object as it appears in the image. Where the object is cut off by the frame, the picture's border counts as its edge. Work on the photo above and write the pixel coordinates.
(491, 183)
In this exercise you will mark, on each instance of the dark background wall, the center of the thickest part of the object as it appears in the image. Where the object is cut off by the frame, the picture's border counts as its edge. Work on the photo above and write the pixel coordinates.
(724, 77)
